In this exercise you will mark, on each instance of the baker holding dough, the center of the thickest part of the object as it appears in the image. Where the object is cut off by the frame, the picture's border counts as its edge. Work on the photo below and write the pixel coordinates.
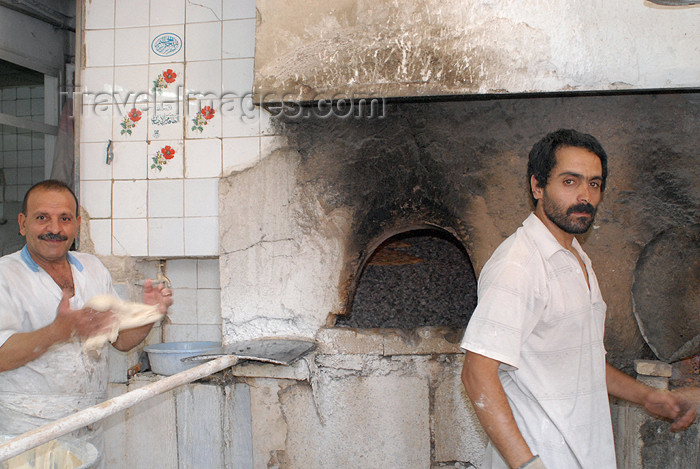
(44, 372)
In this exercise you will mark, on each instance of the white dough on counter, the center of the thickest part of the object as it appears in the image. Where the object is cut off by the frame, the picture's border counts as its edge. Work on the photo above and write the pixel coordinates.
(127, 316)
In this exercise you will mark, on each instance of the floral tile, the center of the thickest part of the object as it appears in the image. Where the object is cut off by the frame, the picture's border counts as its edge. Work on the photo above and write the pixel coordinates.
(165, 159)
(130, 121)
(203, 119)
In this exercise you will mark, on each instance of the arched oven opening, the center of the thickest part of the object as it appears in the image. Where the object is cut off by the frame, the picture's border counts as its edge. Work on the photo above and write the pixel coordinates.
(417, 278)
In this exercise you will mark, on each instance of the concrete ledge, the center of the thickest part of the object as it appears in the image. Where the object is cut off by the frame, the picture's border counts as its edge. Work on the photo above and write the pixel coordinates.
(422, 341)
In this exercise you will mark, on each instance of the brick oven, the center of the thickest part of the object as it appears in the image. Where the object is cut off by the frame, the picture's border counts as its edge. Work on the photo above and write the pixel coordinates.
(401, 134)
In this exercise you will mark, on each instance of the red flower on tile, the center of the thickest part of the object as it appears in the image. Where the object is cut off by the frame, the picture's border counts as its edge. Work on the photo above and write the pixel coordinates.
(135, 115)
(168, 152)
(207, 112)
(169, 76)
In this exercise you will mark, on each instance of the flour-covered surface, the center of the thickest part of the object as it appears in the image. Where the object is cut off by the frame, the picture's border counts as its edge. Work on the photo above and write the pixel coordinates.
(308, 50)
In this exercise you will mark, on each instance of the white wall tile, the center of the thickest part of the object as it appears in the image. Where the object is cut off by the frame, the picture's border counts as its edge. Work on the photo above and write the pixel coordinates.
(211, 333)
(99, 48)
(97, 85)
(167, 43)
(130, 160)
(237, 76)
(96, 198)
(131, 13)
(96, 123)
(182, 273)
(130, 237)
(131, 84)
(173, 168)
(184, 308)
(167, 12)
(165, 237)
(93, 157)
(131, 46)
(203, 41)
(202, 236)
(180, 333)
(101, 236)
(204, 78)
(203, 10)
(129, 199)
(203, 158)
(243, 121)
(208, 306)
(208, 273)
(239, 9)
(238, 39)
(240, 153)
(202, 197)
(165, 198)
(99, 14)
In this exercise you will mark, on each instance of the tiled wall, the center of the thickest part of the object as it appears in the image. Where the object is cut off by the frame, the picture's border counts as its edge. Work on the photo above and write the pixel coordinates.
(195, 314)
(165, 82)
(21, 151)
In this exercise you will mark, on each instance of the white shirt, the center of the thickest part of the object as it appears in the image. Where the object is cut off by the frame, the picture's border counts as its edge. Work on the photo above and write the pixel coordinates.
(62, 380)
(537, 316)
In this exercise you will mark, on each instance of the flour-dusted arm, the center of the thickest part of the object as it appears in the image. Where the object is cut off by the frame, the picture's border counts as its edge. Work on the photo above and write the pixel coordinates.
(23, 347)
(484, 388)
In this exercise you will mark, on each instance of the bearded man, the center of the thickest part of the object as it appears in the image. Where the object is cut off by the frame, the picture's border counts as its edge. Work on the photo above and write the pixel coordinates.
(535, 366)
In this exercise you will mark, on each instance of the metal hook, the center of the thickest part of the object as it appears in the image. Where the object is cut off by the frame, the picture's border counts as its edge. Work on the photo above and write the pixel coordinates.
(110, 152)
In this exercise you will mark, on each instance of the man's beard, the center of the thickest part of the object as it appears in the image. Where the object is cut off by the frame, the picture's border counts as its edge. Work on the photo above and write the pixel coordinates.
(567, 222)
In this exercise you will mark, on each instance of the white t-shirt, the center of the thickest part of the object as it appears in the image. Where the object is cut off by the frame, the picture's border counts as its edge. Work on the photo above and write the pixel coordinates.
(536, 315)
(63, 380)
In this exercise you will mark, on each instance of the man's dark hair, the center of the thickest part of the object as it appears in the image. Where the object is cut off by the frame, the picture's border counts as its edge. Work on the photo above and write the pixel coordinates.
(543, 155)
(50, 185)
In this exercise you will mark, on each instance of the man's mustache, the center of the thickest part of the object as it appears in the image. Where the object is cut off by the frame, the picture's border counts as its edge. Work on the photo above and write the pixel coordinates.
(53, 237)
(581, 208)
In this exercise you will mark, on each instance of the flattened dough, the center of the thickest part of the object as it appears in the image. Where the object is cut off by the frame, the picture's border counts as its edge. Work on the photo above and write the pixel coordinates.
(127, 316)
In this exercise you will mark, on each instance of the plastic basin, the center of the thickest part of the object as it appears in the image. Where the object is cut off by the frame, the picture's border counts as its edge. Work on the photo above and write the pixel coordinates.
(166, 358)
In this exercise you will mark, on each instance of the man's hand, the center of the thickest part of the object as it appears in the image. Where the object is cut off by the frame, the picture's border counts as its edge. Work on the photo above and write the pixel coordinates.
(677, 405)
(671, 405)
(22, 347)
(152, 295)
(157, 295)
(83, 322)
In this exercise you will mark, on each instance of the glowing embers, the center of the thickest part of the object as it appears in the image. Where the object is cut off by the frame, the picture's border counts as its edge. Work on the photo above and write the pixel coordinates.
(414, 279)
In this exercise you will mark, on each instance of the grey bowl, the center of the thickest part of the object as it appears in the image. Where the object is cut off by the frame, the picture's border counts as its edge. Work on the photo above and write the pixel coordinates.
(166, 358)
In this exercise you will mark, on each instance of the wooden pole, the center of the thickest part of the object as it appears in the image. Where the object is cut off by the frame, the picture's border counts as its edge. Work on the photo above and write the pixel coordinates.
(60, 427)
